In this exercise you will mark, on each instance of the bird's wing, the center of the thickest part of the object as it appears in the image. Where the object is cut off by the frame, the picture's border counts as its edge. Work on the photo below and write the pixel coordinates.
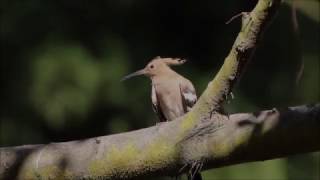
(156, 104)
(188, 95)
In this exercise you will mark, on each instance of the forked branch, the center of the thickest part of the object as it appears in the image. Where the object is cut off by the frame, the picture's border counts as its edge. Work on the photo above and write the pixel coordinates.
(215, 140)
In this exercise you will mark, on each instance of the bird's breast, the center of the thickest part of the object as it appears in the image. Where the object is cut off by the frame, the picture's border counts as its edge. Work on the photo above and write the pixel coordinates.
(170, 100)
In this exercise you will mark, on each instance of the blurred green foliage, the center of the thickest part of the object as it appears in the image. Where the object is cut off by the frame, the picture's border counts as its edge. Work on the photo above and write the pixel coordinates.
(62, 62)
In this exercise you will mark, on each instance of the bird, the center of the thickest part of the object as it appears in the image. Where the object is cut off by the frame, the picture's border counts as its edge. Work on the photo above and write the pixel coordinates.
(172, 95)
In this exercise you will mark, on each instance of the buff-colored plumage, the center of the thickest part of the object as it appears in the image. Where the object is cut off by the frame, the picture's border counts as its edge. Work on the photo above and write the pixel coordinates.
(172, 95)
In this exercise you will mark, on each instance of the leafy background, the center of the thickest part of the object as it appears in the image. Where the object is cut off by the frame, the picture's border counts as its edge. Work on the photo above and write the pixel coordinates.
(62, 61)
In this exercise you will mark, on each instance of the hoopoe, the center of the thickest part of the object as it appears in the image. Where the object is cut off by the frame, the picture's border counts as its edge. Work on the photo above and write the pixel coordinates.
(172, 95)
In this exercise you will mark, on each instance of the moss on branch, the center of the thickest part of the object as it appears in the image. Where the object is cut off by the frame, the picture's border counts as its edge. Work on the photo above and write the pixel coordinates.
(253, 25)
(159, 151)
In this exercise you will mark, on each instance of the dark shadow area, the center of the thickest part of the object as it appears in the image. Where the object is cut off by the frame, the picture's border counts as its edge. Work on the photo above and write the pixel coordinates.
(21, 155)
(267, 143)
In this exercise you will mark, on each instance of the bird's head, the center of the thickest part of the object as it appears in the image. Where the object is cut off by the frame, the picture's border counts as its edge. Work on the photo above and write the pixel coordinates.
(156, 67)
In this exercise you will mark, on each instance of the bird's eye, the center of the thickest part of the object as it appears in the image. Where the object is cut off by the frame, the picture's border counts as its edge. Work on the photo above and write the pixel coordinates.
(151, 66)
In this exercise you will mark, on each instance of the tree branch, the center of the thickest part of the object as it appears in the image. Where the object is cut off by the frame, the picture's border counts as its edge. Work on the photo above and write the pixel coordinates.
(161, 150)
(216, 140)
(253, 25)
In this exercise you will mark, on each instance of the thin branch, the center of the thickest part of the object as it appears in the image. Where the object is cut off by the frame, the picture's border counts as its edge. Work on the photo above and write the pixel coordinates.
(234, 17)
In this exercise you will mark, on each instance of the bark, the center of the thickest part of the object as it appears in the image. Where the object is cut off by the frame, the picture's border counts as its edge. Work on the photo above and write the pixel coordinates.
(254, 24)
(165, 149)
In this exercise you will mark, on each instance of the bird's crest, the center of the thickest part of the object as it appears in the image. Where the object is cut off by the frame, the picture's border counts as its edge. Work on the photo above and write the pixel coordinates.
(169, 61)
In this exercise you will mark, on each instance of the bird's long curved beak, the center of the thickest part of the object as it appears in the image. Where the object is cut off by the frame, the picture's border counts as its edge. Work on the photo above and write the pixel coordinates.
(137, 73)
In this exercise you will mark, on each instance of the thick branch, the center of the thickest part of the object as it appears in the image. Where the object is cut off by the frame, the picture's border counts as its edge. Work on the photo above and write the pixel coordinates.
(161, 150)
